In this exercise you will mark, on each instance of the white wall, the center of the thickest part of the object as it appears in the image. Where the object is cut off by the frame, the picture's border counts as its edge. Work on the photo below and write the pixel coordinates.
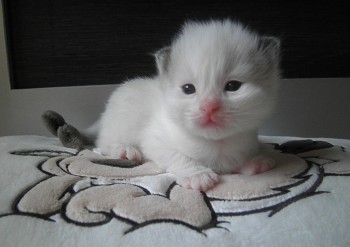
(307, 107)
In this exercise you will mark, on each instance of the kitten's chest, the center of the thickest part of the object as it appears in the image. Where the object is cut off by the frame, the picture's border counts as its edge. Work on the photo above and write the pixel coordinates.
(221, 156)
(215, 154)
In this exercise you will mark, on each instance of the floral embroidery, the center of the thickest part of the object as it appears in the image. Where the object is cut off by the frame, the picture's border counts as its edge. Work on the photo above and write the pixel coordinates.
(88, 189)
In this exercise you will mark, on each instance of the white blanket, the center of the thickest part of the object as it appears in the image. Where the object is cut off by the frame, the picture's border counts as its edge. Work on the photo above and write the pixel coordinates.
(54, 196)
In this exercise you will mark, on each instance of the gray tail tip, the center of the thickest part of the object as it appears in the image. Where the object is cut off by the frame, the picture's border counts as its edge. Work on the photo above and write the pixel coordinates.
(52, 120)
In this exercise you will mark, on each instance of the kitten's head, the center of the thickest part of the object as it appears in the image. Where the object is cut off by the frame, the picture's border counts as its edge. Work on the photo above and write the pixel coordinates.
(219, 78)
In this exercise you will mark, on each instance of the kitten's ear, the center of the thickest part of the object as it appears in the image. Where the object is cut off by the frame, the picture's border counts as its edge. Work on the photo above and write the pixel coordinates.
(162, 59)
(270, 46)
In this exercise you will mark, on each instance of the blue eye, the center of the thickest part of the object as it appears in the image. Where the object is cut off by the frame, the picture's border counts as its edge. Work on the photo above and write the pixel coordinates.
(232, 86)
(188, 89)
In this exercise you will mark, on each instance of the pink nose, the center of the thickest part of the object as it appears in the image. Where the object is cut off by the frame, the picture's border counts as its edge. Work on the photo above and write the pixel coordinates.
(210, 107)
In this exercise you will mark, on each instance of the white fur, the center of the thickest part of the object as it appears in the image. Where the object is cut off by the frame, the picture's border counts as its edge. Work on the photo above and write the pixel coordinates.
(153, 119)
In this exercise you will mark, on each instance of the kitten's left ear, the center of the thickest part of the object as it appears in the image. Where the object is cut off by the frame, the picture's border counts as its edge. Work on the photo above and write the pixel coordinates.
(270, 46)
(162, 59)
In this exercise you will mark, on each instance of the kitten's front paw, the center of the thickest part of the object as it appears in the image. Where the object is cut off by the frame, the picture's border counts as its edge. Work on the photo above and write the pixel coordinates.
(125, 153)
(202, 181)
(131, 153)
(257, 165)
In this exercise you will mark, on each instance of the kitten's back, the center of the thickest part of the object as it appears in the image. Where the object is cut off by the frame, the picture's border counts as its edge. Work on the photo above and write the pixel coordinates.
(128, 111)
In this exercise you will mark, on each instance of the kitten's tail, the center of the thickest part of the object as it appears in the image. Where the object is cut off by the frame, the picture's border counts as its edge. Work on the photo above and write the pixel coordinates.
(68, 134)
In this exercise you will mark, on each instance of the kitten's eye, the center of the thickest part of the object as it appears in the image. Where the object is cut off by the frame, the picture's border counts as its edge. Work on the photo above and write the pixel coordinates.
(188, 89)
(232, 86)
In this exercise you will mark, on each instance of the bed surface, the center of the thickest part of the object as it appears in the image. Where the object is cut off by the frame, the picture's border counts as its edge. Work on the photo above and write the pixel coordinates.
(55, 196)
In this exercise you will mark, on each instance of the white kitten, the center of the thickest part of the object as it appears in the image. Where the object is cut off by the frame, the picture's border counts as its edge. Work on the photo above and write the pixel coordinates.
(199, 117)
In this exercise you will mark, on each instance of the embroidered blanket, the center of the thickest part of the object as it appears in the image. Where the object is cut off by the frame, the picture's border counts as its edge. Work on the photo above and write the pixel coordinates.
(55, 196)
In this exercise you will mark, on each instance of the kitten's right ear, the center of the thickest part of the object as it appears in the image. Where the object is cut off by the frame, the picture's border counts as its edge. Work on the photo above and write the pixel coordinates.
(162, 59)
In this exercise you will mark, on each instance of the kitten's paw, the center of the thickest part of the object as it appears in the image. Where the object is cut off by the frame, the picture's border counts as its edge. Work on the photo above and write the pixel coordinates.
(125, 153)
(130, 153)
(201, 181)
(133, 153)
(257, 165)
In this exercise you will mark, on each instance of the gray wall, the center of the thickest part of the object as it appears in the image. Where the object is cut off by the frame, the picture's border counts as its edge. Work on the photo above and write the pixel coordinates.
(307, 107)
(312, 108)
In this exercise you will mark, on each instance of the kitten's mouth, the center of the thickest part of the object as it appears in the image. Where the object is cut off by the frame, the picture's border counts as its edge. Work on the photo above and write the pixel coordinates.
(210, 122)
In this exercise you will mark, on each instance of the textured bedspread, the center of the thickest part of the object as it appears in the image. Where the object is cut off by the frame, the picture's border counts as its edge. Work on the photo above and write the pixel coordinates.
(55, 196)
